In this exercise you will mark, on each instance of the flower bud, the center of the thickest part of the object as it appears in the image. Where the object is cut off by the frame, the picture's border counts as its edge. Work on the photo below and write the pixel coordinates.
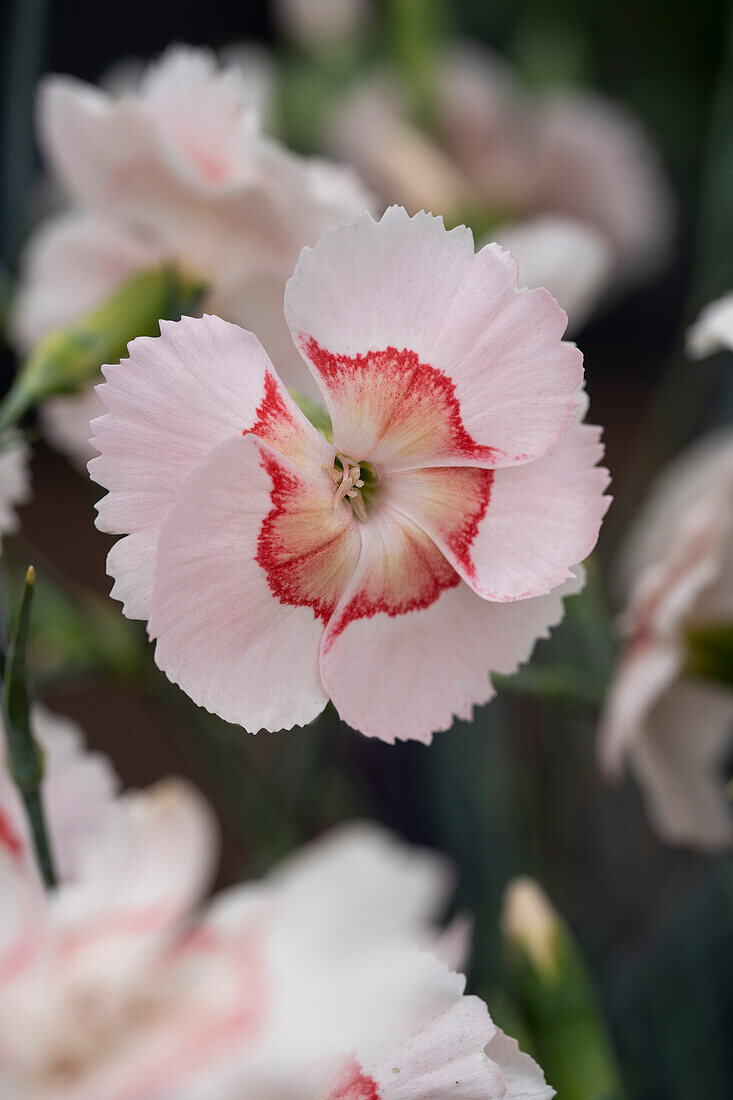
(554, 989)
(70, 358)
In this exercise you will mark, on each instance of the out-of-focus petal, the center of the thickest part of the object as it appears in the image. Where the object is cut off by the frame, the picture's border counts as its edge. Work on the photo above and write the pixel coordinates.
(598, 164)
(569, 258)
(679, 759)
(72, 263)
(15, 482)
(713, 330)
(66, 425)
(148, 865)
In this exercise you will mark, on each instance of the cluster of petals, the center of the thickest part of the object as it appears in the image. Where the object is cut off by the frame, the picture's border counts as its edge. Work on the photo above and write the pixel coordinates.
(392, 566)
(116, 985)
(174, 168)
(14, 480)
(675, 729)
(569, 179)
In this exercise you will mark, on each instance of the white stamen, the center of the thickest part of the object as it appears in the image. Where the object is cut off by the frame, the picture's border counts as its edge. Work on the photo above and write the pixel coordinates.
(349, 481)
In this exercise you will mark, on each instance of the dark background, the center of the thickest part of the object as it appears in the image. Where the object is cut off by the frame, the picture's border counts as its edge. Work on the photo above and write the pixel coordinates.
(518, 789)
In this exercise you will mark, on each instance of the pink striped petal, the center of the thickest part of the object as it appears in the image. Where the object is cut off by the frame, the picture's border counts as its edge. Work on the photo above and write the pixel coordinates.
(512, 533)
(402, 673)
(427, 353)
(177, 396)
(252, 560)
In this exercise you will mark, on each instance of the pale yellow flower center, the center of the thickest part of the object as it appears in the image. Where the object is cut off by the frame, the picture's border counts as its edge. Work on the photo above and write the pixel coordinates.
(349, 484)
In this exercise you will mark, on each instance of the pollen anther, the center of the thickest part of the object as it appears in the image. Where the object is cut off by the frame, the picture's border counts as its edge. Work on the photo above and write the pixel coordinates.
(350, 482)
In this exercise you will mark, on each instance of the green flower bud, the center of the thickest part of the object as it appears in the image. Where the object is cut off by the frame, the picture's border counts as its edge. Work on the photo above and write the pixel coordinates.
(70, 358)
(552, 984)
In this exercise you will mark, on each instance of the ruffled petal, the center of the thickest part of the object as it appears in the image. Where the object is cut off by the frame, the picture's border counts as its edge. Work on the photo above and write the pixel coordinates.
(427, 354)
(443, 1057)
(251, 561)
(512, 533)
(176, 397)
(523, 1078)
(402, 673)
(569, 258)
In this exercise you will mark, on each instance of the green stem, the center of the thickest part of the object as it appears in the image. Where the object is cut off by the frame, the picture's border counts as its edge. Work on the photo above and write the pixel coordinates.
(416, 30)
(36, 815)
(25, 756)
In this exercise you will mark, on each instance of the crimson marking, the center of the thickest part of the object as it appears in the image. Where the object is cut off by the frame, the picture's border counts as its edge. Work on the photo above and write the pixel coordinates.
(411, 381)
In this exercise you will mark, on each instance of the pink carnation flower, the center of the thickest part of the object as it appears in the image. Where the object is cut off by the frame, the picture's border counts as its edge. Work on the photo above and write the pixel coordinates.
(391, 569)
(672, 728)
(113, 988)
(176, 168)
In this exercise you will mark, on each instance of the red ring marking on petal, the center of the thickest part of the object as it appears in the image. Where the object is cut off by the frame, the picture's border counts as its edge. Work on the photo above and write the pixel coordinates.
(461, 539)
(412, 579)
(271, 411)
(302, 550)
(402, 394)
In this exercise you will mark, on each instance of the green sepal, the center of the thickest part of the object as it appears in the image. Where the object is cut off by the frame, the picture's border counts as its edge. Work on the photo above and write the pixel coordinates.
(317, 415)
(710, 653)
(555, 992)
(70, 358)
